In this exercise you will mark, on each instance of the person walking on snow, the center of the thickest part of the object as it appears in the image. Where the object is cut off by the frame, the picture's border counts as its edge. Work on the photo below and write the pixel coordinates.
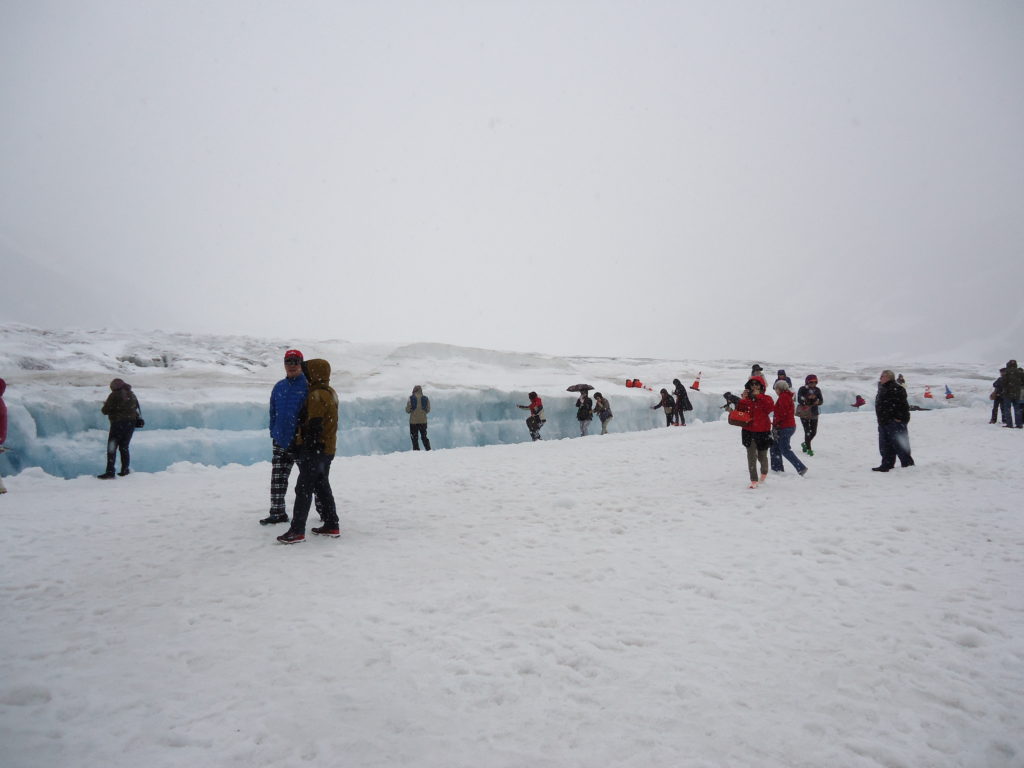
(893, 415)
(122, 409)
(286, 400)
(584, 412)
(603, 410)
(3, 427)
(756, 436)
(418, 406)
(315, 444)
(784, 425)
(682, 403)
(535, 421)
(668, 404)
(997, 397)
(808, 399)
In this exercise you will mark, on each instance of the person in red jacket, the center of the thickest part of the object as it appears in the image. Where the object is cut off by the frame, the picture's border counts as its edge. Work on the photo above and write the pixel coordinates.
(536, 419)
(784, 425)
(757, 435)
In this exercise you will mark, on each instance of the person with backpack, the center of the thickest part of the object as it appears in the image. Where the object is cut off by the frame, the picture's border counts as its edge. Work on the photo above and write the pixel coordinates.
(808, 399)
(757, 434)
(584, 412)
(682, 403)
(122, 409)
(315, 445)
(535, 421)
(783, 427)
(603, 410)
(418, 406)
(669, 404)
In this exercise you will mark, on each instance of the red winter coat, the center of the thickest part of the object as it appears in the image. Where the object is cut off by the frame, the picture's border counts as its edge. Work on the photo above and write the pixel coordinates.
(760, 408)
(784, 411)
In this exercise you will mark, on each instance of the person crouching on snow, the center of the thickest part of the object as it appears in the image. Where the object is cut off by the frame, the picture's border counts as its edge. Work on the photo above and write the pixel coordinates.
(315, 444)
(757, 435)
(536, 419)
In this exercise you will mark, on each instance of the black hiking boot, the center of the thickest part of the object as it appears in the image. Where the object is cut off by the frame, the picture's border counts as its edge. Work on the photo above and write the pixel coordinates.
(290, 537)
(106, 476)
(273, 519)
(327, 530)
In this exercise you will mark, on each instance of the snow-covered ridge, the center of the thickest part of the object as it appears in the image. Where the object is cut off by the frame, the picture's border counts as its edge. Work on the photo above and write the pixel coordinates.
(204, 397)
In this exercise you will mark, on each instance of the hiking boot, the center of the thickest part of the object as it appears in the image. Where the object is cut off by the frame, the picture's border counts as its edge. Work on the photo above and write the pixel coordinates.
(290, 537)
(274, 519)
(105, 476)
(124, 472)
(880, 469)
(327, 530)
(803, 447)
(802, 472)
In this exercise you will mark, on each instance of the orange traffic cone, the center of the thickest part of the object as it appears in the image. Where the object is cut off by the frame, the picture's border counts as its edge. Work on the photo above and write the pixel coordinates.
(696, 382)
(928, 393)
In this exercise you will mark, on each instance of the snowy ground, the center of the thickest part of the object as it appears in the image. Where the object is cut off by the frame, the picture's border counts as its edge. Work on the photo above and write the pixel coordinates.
(612, 601)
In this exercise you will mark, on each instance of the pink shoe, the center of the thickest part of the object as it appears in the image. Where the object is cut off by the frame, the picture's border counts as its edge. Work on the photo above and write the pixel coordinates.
(763, 478)
(753, 484)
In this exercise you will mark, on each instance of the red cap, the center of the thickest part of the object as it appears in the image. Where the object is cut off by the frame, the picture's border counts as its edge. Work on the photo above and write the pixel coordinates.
(293, 353)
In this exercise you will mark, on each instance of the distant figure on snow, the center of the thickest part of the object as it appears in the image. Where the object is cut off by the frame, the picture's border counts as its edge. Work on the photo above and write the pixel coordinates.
(315, 444)
(757, 372)
(286, 401)
(757, 435)
(603, 410)
(3, 426)
(682, 403)
(584, 412)
(668, 404)
(783, 427)
(418, 406)
(997, 397)
(893, 415)
(808, 399)
(122, 409)
(781, 376)
(535, 421)
(1013, 390)
(901, 381)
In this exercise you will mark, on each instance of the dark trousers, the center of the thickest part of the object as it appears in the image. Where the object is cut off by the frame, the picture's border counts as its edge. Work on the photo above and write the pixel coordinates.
(118, 438)
(417, 431)
(893, 441)
(1011, 409)
(997, 406)
(281, 469)
(810, 430)
(314, 477)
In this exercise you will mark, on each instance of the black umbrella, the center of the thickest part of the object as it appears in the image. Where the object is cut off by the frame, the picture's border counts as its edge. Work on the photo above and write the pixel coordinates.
(579, 388)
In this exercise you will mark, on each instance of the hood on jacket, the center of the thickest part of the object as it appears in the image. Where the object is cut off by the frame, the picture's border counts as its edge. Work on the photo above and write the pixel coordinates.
(417, 390)
(117, 384)
(318, 371)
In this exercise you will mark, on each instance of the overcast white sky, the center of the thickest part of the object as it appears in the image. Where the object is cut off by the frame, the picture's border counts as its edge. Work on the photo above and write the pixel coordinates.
(774, 180)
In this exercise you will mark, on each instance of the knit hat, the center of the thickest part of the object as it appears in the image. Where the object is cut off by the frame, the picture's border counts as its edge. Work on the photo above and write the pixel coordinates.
(294, 353)
(811, 377)
(782, 372)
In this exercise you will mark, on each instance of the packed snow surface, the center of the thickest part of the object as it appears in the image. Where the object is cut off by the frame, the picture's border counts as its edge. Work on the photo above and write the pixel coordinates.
(618, 600)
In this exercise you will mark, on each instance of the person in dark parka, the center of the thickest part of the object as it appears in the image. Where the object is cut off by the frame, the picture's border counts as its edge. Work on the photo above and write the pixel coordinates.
(893, 415)
(418, 406)
(122, 409)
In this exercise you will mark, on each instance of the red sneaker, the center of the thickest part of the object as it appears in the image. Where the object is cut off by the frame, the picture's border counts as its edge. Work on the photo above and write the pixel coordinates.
(327, 530)
(291, 538)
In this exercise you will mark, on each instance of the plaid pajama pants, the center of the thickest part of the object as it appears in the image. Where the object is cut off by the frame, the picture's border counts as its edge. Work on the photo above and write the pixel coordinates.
(282, 469)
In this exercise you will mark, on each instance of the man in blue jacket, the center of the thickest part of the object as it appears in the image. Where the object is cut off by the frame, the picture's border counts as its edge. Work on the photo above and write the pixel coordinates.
(286, 401)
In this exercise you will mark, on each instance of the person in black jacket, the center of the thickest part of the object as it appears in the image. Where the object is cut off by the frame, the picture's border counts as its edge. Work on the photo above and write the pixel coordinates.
(997, 397)
(682, 403)
(893, 415)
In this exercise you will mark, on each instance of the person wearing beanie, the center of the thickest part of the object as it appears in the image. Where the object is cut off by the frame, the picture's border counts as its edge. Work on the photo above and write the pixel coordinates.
(418, 406)
(808, 399)
(757, 434)
(286, 399)
(122, 409)
(781, 376)
(783, 427)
